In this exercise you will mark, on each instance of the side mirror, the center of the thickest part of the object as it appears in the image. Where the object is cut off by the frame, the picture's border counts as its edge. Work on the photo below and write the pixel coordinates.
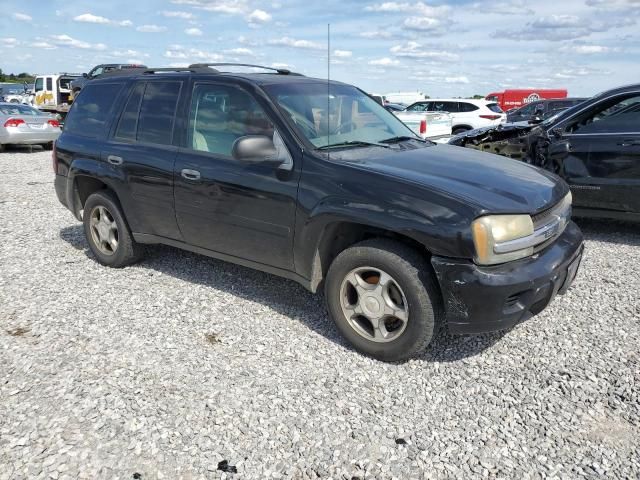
(535, 120)
(85, 75)
(256, 149)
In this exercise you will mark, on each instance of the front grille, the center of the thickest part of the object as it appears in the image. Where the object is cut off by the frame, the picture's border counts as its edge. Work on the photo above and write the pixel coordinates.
(562, 211)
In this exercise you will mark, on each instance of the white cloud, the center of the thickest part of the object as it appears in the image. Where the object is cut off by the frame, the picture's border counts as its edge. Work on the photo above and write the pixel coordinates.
(91, 18)
(23, 17)
(460, 79)
(384, 62)
(291, 42)
(280, 65)
(418, 8)
(129, 53)
(194, 32)
(67, 41)
(258, 16)
(151, 29)
(342, 53)
(43, 45)
(415, 50)
(375, 34)
(179, 14)
(421, 23)
(590, 49)
(247, 52)
(9, 42)
(178, 52)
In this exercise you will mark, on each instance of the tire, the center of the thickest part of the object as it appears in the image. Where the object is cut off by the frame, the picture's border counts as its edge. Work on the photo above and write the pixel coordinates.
(458, 131)
(415, 285)
(48, 146)
(2, 147)
(101, 214)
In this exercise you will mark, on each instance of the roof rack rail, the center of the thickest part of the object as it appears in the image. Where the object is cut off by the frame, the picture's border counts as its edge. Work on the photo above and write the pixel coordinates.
(151, 71)
(281, 71)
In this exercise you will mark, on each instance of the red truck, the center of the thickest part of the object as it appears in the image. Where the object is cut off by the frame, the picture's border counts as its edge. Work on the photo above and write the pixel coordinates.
(510, 99)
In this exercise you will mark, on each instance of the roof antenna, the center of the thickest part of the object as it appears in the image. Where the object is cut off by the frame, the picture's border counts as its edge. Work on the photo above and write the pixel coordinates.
(328, 86)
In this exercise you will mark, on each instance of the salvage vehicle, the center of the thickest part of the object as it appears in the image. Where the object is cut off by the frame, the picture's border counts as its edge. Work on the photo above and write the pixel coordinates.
(594, 146)
(535, 112)
(24, 125)
(53, 91)
(466, 114)
(511, 99)
(316, 182)
(430, 125)
(96, 71)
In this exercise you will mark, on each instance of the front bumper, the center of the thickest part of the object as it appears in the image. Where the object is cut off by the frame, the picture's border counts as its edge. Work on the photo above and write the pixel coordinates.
(488, 298)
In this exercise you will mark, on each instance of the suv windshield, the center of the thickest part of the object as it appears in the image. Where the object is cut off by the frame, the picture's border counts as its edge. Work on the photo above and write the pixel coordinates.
(338, 115)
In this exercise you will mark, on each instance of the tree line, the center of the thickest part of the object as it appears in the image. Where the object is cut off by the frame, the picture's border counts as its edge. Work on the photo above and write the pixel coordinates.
(13, 78)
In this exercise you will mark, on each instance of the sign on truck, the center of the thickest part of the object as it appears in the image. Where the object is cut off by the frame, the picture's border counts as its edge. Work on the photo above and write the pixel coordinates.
(510, 99)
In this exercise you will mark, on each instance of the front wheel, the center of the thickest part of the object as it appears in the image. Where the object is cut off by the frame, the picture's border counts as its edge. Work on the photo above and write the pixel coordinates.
(107, 231)
(383, 297)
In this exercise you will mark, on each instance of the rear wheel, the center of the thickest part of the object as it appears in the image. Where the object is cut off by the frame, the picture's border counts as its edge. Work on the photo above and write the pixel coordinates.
(107, 231)
(383, 297)
(2, 147)
(48, 146)
(459, 130)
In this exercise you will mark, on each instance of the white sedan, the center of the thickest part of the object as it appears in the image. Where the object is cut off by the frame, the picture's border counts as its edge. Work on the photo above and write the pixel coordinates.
(25, 125)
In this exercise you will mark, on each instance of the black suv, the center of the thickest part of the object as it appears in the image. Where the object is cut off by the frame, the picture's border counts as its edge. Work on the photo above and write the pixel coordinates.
(540, 110)
(98, 70)
(316, 182)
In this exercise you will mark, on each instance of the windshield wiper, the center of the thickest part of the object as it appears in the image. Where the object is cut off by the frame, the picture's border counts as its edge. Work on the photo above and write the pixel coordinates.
(352, 143)
(402, 138)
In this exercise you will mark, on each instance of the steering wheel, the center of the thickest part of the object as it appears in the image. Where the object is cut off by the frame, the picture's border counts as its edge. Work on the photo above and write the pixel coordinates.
(338, 129)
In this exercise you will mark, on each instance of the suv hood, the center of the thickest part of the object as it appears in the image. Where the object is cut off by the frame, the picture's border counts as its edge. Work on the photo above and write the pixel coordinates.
(493, 184)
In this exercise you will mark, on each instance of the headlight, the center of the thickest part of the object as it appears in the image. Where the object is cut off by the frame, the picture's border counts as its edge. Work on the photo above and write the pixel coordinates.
(492, 230)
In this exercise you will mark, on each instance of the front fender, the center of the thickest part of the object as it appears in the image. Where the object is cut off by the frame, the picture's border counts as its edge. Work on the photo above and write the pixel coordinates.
(438, 228)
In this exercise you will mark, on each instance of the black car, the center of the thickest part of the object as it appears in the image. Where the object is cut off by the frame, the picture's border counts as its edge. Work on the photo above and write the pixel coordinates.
(594, 146)
(98, 70)
(318, 183)
(540, 110)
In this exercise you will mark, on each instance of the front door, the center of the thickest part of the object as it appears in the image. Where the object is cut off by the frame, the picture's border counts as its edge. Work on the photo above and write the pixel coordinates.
(603, 162)
(246, 210)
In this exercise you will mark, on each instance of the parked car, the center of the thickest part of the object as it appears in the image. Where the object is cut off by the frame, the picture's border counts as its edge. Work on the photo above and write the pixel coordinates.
(594, 146)
(98, 70)
(429, 125)
(395, 107)
(466, 114)
(535, 112)
(25, 125)
(406, 98)
(332, 191)
(512, 99)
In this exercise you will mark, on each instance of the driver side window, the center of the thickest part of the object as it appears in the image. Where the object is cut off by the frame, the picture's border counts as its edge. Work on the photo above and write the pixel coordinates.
(220, 115)
(616, 115)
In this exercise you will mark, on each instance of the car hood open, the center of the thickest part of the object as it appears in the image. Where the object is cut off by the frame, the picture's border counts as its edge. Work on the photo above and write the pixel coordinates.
(493, 184)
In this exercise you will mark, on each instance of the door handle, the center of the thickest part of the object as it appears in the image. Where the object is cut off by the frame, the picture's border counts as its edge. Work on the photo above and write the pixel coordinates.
(190, 174)
(629, 143)
(114, 160)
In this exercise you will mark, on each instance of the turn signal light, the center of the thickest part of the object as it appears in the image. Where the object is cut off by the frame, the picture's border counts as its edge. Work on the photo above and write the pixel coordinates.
(490, 117)
(423, 127)
(13, 122)
(54, 123)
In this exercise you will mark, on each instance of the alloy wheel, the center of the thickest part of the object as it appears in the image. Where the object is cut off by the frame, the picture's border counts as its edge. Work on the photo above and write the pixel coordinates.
(104, 230)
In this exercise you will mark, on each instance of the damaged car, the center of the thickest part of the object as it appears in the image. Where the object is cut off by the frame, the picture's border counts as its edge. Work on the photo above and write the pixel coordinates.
(594, 146)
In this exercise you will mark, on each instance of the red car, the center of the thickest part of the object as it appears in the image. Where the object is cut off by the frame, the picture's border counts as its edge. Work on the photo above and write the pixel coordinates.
(510, 99)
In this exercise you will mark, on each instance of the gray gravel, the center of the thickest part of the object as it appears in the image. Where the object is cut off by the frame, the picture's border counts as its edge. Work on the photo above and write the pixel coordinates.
(167, 368)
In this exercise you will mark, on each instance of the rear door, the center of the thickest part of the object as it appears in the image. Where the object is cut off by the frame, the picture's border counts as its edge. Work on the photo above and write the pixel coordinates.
(236, 208)
(141, 148)
(603, 162)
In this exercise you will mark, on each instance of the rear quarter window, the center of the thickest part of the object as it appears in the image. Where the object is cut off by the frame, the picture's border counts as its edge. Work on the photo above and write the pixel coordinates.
(494, 107)
(90, 113)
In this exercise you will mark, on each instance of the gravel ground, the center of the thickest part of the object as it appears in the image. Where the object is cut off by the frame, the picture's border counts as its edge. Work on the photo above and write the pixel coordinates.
(170, 367)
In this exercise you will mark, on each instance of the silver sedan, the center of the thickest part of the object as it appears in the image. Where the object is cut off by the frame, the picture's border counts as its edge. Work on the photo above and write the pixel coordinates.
(25, 125)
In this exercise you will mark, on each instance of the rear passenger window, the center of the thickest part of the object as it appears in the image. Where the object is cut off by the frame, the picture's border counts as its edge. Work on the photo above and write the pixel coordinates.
(451, 107)
(466, 107)
(128, 124)
(220, 115)
(89, 114)
(418, 107)
(155, 124)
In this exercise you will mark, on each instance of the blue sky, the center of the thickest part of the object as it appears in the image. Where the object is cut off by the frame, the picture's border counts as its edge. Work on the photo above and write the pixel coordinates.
(440, 48)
